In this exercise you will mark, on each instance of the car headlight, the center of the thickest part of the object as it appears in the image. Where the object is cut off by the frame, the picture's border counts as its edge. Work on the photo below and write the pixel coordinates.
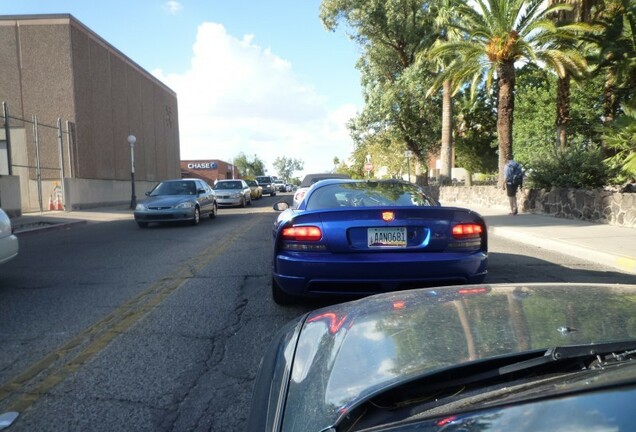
(237, 195)
(184, 205)
(140, 207)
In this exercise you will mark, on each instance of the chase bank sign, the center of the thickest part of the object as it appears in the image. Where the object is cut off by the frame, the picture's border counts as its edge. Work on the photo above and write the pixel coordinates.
(202, 165)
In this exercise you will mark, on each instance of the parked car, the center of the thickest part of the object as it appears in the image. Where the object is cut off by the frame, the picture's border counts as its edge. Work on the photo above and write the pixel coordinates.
(233, 193)
(255, 189)
(522, 357)
(357, 237)
(309, 180)
(267, 182)
(177, 200)
(9, 244)
(289, 187)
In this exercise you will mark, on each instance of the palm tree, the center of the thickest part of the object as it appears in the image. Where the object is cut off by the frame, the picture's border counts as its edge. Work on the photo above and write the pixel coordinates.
(497, 34)
(580, 12)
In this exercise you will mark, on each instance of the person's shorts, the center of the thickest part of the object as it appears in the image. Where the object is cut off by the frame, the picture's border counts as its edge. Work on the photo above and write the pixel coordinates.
(511, 189)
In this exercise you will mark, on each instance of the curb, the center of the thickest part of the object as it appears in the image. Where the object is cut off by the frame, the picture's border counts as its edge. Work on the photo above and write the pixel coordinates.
(38, 227)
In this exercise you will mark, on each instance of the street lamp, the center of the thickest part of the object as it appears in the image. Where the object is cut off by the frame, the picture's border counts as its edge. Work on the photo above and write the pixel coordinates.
(133, 199)
(408, 155)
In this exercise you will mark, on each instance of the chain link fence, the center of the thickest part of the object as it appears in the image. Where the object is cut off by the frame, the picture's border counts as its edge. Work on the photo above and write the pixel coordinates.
(41, 155)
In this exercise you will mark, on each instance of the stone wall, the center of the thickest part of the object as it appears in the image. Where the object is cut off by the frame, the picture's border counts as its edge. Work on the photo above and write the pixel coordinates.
(598, 205)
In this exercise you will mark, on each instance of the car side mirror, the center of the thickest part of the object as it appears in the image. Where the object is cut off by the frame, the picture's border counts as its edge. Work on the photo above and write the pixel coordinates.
(280, 206)
(201, 191)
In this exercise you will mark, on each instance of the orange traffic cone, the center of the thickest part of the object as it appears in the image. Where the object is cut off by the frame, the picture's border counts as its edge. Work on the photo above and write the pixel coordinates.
(51, 205)
(58, 203)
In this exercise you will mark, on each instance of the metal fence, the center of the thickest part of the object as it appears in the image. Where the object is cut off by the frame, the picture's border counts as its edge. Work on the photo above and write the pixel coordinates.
(46, 153)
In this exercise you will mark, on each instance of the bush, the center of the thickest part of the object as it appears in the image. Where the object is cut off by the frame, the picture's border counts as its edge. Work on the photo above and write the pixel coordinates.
(576, 167)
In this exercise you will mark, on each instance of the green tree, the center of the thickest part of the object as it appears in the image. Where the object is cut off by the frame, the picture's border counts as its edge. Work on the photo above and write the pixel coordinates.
(620, 136)
(249, 167)
(499, 33)
(285, 167)
(390, 33)
(475, 134)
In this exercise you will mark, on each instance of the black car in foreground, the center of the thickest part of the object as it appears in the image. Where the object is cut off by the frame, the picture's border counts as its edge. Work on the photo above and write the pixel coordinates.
(531, 357)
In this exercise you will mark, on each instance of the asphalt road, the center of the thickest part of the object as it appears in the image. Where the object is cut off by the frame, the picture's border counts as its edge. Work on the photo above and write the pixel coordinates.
(110, 327)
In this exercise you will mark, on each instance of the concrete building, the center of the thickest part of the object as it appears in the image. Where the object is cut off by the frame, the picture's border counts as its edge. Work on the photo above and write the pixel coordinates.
(85, 97)
(209, 170)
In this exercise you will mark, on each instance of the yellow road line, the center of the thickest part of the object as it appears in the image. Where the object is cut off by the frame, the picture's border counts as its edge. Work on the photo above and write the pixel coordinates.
(114, 324)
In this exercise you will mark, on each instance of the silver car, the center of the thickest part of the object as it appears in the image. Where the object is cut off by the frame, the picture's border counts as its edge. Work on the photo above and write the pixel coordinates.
(8, 242)
(177, 200)
(233, 193)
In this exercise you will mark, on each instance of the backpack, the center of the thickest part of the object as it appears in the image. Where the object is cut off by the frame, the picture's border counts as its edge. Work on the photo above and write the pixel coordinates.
(515, 174)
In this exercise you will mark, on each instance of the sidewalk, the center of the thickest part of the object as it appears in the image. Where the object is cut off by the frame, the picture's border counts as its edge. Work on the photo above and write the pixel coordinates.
(36, 222)
(608, 245)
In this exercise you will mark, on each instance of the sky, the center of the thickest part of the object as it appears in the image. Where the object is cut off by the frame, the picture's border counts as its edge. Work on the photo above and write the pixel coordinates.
(258, 77)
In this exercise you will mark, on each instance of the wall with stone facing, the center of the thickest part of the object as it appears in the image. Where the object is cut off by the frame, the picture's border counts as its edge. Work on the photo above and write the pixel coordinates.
(598, 205)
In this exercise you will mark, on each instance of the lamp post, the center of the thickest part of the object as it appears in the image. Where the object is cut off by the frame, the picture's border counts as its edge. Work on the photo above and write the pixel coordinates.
(408, 154)
(133, 199)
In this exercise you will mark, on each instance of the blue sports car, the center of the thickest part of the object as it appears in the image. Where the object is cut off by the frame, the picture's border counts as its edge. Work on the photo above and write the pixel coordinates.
(358, 237)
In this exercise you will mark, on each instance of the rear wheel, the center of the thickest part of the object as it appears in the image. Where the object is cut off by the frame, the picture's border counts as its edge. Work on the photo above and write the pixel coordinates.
(243, 202)
(214, 211)
(281, 297)
(197, 216)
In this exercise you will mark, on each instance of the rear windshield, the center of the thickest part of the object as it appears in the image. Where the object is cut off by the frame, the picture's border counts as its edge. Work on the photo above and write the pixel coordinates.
(368, 194)
(263, 179)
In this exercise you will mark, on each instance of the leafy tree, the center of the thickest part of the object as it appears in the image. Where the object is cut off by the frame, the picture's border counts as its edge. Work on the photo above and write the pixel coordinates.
(249, 167)
(475, 134)
(285, 167)
(390, 33)
(499, 33)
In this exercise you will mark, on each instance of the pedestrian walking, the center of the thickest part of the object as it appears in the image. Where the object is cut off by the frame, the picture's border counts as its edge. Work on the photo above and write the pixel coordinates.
(513, 175)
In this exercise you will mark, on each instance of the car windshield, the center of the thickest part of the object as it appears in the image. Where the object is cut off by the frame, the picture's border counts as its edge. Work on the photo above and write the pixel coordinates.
(174, 188)
(263, 179)
(228, 185)
(367, 194)
(251, 183)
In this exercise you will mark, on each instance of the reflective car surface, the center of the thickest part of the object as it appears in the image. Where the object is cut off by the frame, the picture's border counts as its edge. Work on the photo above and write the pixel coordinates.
(355, 237)
(255, 189)
(268, 185)
(177, 200)
(309, 180)
(9, 245)
(522, 357)
(233, 193)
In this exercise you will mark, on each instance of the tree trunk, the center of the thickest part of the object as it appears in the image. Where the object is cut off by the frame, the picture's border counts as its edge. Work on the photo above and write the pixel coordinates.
(563, 111)
(505, 111)
(446, 152)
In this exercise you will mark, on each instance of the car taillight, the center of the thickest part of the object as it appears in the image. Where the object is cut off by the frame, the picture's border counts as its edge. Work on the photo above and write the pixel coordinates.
(302, 233)
(467, 231)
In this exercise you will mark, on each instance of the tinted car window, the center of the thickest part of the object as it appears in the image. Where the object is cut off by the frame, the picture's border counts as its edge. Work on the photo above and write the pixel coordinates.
(175, 188)
(229, 185)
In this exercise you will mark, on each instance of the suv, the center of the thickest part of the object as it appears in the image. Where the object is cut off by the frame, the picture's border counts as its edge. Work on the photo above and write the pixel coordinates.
(267, 182)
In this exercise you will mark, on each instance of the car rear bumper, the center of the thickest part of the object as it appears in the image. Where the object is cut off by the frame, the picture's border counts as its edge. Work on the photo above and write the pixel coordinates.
(374, 273)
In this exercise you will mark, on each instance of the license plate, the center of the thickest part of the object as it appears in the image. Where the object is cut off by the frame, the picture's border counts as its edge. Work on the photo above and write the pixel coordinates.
(387, 237)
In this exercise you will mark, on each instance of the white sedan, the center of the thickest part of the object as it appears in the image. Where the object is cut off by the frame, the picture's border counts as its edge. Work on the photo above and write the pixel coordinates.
(8, 242)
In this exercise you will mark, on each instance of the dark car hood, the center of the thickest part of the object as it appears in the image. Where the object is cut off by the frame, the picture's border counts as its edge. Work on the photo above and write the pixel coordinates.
(347, 352)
